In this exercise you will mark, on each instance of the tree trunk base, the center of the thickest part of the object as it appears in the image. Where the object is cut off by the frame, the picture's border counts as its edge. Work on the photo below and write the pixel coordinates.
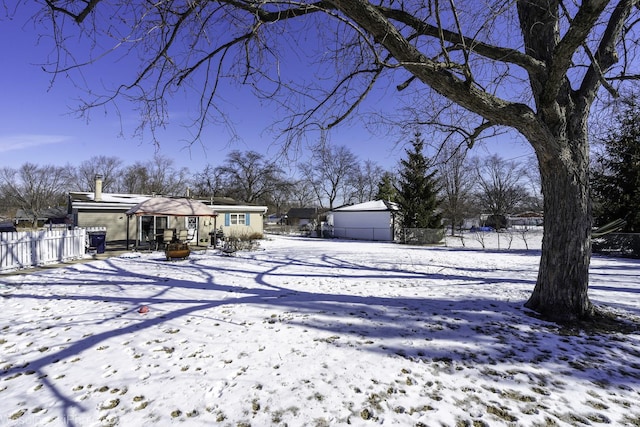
(595, 320)
(559, 313)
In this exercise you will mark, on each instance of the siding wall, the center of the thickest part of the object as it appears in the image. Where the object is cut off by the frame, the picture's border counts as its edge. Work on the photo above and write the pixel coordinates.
(253, 224)
(114, 222)
(362, 225)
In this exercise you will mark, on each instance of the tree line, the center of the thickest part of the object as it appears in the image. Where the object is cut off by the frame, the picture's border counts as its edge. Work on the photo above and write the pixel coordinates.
(457, 186)
(450, 185)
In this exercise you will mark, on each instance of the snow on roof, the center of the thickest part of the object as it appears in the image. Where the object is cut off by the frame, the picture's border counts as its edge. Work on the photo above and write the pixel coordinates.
(110, 197)
(374, 205)
(119, 198)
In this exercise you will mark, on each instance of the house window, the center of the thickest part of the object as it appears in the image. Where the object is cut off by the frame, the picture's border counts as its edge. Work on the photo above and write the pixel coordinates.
(238, 219)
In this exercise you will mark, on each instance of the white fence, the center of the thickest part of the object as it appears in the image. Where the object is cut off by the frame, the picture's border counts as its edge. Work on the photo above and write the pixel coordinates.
(33, 248)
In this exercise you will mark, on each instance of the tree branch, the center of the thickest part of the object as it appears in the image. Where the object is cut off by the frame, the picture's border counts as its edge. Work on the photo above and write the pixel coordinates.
(562, 56)
(374, 20)
(301, 9)
(488, 51)
(78, 17)
(606, 55)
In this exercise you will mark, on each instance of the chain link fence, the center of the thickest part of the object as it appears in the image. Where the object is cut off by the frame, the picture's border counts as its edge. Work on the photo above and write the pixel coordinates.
(421, 236)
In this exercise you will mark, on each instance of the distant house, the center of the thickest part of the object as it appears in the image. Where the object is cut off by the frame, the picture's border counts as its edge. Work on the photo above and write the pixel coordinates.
(55, 215)
(524, 219)
(527, 219)
(300, 217)
(98, 209)
(374, 220)
(275, 219)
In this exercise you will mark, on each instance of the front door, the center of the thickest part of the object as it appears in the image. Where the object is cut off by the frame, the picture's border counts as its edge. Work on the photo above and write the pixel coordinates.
(192, 228)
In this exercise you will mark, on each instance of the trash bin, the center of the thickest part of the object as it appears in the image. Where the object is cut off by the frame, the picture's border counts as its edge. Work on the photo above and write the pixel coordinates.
(98, 240)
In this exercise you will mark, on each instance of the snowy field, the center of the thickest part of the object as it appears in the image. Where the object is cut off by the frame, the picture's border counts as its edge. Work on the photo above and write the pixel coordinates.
(310, 332)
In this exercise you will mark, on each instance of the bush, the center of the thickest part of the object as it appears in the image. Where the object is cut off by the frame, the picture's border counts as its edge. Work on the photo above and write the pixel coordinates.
(244, 241)
(618, 244)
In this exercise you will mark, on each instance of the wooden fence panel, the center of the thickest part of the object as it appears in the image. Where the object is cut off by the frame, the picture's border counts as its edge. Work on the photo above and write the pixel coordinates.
(25, 249)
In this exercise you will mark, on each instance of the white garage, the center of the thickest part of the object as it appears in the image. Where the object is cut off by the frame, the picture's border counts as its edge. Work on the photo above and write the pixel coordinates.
(374, 220)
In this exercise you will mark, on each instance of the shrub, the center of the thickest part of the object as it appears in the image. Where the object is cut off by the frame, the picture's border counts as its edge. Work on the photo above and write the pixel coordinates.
(245, 241)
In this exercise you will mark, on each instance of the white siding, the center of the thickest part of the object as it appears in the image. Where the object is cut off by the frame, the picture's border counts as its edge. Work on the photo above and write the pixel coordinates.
(363, 225)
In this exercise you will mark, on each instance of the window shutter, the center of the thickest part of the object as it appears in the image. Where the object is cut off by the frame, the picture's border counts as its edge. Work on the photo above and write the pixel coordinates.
(246, 219)
(227, 219)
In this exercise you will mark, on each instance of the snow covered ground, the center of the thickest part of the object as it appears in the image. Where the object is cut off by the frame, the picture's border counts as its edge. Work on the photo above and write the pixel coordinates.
(310, 332)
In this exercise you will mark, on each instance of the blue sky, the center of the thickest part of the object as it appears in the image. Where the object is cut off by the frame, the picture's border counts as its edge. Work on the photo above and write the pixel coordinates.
(38, 123)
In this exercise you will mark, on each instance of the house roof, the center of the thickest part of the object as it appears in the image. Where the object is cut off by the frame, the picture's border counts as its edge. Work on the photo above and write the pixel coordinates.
(54, 212)
(164, 206)
(120, 202)
(371, 206)
(109, 197)
(139, 198)
(303, 213)
(528, 214)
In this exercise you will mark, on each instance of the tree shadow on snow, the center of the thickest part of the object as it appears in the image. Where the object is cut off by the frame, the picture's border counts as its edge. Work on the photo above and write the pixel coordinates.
(462, 324)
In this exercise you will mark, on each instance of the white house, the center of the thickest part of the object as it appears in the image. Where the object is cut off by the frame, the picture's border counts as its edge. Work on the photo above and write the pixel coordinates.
(374, 220)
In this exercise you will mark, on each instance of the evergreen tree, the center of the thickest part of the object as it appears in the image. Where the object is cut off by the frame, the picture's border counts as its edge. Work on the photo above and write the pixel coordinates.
(386, 189)
(417, 189)
(615, 182)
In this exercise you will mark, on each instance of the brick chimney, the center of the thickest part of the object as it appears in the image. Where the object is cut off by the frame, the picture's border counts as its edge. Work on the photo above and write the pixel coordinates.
(98, 194)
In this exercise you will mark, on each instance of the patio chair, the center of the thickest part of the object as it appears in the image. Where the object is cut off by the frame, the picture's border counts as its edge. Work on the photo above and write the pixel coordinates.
(167, 236)
(183, 236)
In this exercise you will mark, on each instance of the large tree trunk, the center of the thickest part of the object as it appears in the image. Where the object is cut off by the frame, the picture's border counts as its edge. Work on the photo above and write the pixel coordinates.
(560, 293)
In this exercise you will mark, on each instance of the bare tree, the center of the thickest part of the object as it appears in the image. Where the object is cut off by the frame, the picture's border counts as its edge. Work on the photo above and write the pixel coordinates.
(157, 176)
(165, 178)
(363, 183)
(35, 188)
(134, 179)
(328, 172)
(535, 66)
(281, 196)
(499, 186)
(531, 175)
(108, 167)
(249, 177)
(208, 183)
(456, 181)
(302, 194)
